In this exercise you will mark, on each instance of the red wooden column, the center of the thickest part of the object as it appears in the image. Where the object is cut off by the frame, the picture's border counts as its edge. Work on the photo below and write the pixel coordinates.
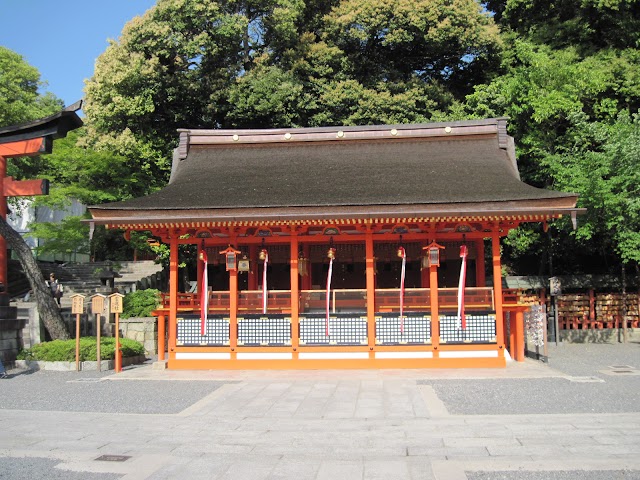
(371, 292)
(306, 280)
(199, 269)
(497, 290)
(233, 305)
(295, 294)
(424, 275)
(161, 335)
(435, 314)
(173, 293)
(252, 281)
(516, 330)
(233, 309)
(481, 280)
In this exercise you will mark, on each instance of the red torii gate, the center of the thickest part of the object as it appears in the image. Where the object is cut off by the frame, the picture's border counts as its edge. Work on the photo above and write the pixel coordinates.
(29, 139)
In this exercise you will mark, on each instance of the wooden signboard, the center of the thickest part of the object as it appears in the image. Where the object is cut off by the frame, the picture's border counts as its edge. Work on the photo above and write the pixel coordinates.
(77, 303)
(115, 300)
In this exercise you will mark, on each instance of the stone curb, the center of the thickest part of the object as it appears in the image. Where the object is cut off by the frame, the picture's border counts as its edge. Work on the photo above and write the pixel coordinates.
(90, 366)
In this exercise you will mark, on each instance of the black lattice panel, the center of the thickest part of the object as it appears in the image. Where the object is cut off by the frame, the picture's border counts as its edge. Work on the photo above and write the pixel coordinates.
(481, 328)
(416, 330)
(189, 331)
(343, 330)
(264, 330)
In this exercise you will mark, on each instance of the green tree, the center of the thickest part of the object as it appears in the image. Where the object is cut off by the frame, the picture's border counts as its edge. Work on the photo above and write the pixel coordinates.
(21, 102)
(588, 25)
(266, 63)
(603, 165)
(564, 102)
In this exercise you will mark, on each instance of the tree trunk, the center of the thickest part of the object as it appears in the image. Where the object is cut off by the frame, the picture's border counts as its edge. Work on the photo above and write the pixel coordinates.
(47, 306)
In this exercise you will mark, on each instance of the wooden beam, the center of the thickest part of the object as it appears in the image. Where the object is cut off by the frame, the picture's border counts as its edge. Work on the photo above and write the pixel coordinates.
(23, 148)
(24, 188)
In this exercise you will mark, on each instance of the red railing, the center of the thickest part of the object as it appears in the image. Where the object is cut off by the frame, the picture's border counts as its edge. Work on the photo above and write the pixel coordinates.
(386, 300)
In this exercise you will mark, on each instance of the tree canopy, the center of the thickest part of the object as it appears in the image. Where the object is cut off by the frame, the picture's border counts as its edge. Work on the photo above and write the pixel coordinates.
(265, 63)
(565, 73)
(20, 100)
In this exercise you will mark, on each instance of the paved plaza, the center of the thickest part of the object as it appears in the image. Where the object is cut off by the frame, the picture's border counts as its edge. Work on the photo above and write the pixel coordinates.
(577, 417)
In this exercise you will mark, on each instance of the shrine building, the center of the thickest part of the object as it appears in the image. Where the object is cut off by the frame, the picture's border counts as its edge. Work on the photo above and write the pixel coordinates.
(340, 247)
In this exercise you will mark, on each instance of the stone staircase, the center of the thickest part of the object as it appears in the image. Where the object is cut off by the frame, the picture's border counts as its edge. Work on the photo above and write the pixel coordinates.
(84, 278)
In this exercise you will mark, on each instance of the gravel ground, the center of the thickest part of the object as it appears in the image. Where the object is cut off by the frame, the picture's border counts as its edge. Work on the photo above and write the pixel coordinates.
(589, 358)
(91, 392)
(584, 390)
(43, 469)
(562, 475)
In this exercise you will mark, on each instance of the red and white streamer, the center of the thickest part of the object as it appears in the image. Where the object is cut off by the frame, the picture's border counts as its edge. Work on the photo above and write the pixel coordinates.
(329, 274)
(403, 254)
(462, 322)
(204, 292)
(265, 292)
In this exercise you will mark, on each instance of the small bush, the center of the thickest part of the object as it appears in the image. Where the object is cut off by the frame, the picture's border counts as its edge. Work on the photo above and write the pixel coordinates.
(140, 303)
(65, 350)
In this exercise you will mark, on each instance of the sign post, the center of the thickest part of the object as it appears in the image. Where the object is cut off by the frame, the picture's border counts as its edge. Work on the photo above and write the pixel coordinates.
(555, 289)
(115, 301)
(77, 308)
(97, 307)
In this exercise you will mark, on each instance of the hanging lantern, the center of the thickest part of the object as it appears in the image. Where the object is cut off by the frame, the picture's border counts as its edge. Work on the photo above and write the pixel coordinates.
(433, 254)
(303, 264)
(231, 258)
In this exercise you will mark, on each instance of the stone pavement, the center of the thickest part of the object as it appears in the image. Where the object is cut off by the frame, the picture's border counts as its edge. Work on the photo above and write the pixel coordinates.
(384, 424)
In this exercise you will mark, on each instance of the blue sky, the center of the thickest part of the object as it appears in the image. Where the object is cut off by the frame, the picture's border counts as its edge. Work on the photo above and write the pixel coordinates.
(62, 38)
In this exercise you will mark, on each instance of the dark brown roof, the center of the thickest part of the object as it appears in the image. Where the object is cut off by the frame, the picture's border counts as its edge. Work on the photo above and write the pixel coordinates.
(54, 126)
(427, 168)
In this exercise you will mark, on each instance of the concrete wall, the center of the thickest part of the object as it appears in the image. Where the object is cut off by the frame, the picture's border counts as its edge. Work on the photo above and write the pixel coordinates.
(143, 330)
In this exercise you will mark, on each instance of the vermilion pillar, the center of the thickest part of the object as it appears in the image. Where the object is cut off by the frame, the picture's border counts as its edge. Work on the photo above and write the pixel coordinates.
(252, 282)
(295, 291)
(173, 292)
(371, 291)
(306, 280)
(233, 308)
(435, 314)
(497, 290)
(199, 270)
(481, 280)
(3, 213)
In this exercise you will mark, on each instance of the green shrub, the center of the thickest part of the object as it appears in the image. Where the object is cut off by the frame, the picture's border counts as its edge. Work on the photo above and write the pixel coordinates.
(140, 303)
(65, 350)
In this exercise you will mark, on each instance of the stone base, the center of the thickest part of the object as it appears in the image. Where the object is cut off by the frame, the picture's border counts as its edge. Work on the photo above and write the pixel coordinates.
(160, 365)
(88, 366)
